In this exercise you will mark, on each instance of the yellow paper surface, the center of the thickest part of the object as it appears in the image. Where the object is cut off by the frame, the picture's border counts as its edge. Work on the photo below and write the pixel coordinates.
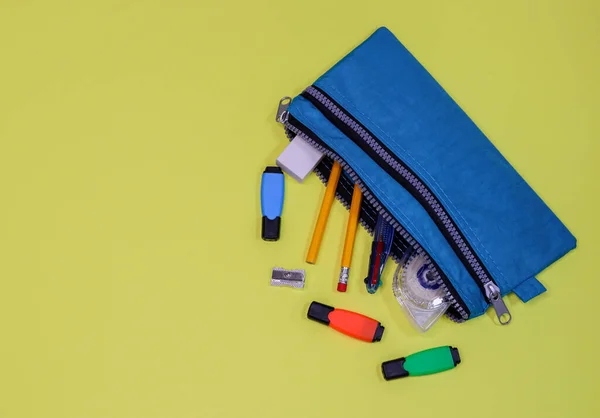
(134, 282)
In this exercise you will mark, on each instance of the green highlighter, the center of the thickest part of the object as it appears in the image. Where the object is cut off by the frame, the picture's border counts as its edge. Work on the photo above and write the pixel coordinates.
(430, 361)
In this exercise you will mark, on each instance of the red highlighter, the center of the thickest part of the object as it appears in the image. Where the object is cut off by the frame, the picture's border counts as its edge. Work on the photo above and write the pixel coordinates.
(347, 322)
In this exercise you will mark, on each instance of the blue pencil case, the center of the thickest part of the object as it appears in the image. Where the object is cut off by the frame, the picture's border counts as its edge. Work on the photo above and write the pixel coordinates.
(424, 165)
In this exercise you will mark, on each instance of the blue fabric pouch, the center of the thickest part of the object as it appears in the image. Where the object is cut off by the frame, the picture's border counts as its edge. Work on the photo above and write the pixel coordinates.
(423, 164)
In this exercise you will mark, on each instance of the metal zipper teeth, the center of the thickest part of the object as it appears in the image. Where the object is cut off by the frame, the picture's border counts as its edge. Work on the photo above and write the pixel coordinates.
(398, 251)
(345, 203)
(429, 198)
(399, 246)
(398, 254)
(389, 218)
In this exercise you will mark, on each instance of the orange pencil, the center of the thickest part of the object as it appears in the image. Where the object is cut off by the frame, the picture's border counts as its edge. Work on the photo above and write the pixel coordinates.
(315, 243)
(349, 242)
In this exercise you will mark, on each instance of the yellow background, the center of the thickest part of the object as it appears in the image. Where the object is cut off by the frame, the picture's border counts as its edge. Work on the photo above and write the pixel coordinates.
(133, 279)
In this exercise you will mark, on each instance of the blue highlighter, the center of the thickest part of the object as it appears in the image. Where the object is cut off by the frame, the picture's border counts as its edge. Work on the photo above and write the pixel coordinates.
(271, 202)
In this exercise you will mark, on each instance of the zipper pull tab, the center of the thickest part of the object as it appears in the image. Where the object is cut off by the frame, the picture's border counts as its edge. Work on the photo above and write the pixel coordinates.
(282, 113)
(492, 292)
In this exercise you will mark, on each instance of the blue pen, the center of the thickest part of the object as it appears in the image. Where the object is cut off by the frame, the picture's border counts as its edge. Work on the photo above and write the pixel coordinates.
(271, 202)
(383, 237)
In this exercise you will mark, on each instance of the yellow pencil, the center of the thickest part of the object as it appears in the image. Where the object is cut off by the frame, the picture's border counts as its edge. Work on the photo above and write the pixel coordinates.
(349, 242)
(315, 243)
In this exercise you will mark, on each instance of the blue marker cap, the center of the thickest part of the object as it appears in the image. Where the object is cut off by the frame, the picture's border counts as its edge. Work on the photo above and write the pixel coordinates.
(271, 202)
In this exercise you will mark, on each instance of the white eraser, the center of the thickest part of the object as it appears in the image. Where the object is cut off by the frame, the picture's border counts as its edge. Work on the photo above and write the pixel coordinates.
(299, 159)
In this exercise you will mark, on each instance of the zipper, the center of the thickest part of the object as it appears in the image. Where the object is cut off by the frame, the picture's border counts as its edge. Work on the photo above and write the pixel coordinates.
(457, 311)
(282, 109)
(419, 190)
(492, 292)
(368, 214)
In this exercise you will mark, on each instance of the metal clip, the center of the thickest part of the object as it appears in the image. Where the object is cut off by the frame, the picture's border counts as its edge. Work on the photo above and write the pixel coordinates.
(493, 294)
(282, 112)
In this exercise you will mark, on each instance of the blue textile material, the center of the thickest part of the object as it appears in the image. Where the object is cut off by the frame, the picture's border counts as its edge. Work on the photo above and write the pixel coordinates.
(510, 228)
